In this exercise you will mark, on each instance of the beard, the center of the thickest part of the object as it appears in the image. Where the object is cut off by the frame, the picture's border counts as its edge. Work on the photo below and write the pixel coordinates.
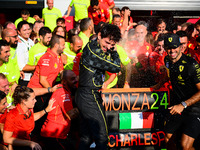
(46, 43)
(13, 45)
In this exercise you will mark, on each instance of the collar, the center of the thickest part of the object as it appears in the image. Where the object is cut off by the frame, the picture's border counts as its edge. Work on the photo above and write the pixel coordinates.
(51, 52)
(19, 108)
(21, 112)
(23, 40)
(67, 89)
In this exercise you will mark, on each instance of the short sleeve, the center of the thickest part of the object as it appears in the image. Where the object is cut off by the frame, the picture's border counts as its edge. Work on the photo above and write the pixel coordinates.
(9, 122)
(195, 70)
(45, 65)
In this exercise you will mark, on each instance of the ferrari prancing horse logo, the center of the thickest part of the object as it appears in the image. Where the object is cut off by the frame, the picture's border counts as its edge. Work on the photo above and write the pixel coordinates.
(170, 39)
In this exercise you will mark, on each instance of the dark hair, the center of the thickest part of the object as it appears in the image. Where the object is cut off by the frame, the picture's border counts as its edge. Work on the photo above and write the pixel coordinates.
(25, 12)
(74, 39)
(64, 74)
(161, 37)
(43, 31)
(190, 30)
(99, 26)
(37, 21)
(160, 20)
(94, 3)
(71, 33)
(7, 23)
(60, 20)
(2, 95)
(181, 33)
(2, 76)
(198, 39)
(20, 24)
(85, 23)
(116, 16)
(56, 39)
(3, 43)
(111, 31)
(21, 93)
(124, 8)
(116, 8)
(197, 23)
(56, 29)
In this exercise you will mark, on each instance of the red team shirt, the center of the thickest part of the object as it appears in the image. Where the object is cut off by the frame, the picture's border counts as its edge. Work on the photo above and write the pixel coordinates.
(76, 61)
(57, 125)
(157, 60)
(141, 52)
(19, 124)
(49, 65)
(100, 16)
(107, 2)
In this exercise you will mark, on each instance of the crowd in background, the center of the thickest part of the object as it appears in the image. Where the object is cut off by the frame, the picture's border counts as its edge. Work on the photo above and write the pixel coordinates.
(39, 60)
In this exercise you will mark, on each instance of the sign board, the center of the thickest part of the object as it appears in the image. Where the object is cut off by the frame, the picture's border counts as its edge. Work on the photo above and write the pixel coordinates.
(136, 116)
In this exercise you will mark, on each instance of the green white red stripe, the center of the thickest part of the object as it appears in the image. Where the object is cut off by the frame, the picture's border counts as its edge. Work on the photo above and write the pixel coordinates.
(136, 120)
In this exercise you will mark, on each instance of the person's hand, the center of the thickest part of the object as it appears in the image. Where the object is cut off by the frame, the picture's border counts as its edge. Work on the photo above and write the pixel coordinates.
(105, 85)
(176, 109)
(35, 146)
(50, 105)
(127, 12)
(9, 108)
(73, 113)
(36, 17)
(126, 85)
(156, 87)
(65, 16)
(22, 74)
(12, 88)
(54, 88)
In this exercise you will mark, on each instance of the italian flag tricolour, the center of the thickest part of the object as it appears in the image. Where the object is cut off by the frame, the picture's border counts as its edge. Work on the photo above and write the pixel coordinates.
(136, 120)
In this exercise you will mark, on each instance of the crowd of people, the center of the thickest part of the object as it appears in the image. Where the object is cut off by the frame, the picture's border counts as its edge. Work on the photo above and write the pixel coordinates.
(51, 77)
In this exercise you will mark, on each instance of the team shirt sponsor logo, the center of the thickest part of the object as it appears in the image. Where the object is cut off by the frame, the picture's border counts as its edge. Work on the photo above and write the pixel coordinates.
(55, 66)
(45, 62)
(66, 97)
(181, 67)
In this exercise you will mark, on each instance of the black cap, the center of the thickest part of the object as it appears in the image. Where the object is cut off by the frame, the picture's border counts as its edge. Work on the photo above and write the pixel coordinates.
(171, 41)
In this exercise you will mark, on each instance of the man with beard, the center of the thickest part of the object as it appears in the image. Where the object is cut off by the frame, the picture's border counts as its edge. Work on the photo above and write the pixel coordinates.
(49, 65)
(71, 50)
(9, 69)
(40, 48)
(87, 29)
(46, 71)
(57, 125)
(184, 110)
(10, 35)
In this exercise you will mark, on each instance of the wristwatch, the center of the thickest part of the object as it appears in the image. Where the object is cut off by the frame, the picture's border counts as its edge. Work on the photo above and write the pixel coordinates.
(184, 104)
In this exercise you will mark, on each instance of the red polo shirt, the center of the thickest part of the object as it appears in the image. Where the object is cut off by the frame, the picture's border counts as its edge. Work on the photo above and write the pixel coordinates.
(100, 16)
(76, 61)
(157, 60)
(49, 65)
(192, 43)
(141, 52)
(57, 125)
(19, 123)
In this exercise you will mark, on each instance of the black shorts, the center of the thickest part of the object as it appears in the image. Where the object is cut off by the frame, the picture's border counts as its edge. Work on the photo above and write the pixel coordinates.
(189, 124)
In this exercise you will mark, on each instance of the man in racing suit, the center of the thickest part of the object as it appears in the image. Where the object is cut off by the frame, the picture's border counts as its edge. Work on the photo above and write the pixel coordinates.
(98, 56)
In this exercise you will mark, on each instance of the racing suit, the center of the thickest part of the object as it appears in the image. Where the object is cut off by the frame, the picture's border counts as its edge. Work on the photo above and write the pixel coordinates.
(93, 64)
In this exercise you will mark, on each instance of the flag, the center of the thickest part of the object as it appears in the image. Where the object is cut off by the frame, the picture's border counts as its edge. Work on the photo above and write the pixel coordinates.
(136, 120)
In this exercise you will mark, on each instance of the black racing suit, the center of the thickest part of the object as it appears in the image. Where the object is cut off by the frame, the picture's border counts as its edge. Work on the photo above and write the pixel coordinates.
(93, 64)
